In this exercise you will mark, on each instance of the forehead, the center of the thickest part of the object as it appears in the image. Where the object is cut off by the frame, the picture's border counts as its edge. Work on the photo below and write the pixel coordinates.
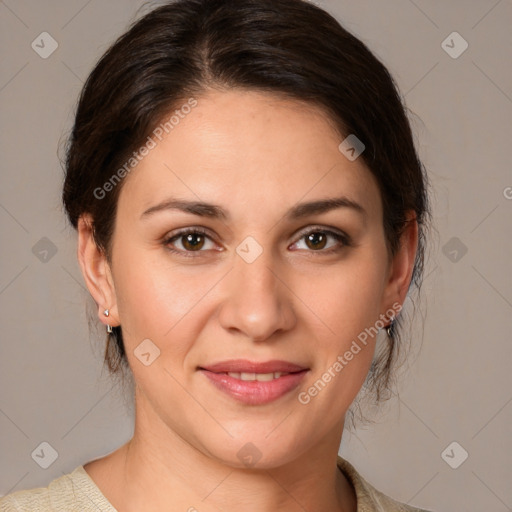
(251, 147)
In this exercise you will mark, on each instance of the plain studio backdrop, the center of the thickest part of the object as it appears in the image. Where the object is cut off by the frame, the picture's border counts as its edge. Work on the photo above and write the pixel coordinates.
(445, 444)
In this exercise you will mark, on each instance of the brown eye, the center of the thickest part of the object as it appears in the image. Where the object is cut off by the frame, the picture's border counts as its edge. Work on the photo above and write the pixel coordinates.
(192, 241)
(189, 241)
(316, 240)
(322, 241)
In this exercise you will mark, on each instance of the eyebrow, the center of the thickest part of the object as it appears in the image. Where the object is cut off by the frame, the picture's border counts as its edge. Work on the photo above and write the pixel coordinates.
(217, 212)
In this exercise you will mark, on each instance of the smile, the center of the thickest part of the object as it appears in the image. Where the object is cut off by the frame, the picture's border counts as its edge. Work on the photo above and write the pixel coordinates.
(255, 389)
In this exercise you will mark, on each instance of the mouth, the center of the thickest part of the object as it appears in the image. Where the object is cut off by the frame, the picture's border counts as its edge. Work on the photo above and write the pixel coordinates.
(243, 366)
(254, 383)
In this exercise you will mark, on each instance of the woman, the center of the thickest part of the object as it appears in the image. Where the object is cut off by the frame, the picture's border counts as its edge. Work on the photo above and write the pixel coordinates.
(251, 214)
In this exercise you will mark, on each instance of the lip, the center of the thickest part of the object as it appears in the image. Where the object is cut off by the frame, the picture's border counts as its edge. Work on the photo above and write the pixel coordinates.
(254, 392)
(243, 365)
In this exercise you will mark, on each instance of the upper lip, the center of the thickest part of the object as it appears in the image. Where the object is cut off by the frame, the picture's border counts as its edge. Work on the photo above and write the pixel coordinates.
(245, 366)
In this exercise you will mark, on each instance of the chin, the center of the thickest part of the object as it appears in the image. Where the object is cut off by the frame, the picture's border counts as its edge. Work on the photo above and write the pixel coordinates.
(253, 452)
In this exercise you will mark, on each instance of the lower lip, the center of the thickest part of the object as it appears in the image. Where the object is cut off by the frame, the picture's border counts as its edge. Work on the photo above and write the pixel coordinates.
(255, 392)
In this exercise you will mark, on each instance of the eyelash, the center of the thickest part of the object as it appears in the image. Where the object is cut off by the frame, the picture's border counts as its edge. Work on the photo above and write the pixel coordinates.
(339, 237)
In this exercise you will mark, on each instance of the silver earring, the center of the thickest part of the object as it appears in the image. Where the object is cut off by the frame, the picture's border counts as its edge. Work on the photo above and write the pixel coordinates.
(389, 329)
(109, 327)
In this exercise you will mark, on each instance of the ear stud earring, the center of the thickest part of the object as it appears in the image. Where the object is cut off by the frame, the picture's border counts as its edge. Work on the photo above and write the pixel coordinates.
(109, 327)
(389, 329)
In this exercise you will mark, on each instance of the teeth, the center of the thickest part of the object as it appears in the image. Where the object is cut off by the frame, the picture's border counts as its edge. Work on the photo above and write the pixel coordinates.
(260, 377)
(263, 377)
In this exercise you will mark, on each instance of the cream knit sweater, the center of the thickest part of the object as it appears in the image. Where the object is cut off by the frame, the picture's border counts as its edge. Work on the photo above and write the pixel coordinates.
(77, 492)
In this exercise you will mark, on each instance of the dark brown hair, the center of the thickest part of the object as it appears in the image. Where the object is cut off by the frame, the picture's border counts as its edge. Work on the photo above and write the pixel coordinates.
(290, 48)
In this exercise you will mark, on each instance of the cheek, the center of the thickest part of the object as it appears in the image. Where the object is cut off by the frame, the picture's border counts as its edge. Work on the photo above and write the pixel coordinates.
(347, 297)
(346, 344)
(157, 299)
(346, 300)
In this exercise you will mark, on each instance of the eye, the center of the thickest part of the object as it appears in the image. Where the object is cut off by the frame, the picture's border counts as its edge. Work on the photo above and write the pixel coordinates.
(191, 240)
(317, 240)
(195, 240)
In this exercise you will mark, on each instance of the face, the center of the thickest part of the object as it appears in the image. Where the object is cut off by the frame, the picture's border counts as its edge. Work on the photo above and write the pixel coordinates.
(216, 301)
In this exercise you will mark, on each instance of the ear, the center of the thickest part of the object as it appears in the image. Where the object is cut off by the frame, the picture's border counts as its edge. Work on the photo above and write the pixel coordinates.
(402, 264)
(96, 272)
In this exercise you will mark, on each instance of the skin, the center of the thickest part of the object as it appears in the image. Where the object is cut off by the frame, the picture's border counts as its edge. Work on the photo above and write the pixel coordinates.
(255, 155)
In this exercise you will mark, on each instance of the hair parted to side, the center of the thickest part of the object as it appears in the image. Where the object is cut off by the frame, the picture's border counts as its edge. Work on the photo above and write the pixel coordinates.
(290, 48)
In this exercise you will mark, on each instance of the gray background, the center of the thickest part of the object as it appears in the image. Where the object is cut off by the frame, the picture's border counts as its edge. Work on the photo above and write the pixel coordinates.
(457, 387)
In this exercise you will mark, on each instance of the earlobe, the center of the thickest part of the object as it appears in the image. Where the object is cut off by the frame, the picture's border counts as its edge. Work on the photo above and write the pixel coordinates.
(96, 272)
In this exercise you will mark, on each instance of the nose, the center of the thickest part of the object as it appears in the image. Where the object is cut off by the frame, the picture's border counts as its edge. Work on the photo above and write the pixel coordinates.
(256, 301)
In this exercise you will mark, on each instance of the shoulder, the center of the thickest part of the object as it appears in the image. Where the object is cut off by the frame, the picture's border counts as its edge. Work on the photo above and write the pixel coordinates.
(370, 499)
(37, 499)
(72, 492)
(34, 499)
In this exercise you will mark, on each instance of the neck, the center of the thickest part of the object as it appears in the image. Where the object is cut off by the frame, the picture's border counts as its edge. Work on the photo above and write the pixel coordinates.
(157, 468)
